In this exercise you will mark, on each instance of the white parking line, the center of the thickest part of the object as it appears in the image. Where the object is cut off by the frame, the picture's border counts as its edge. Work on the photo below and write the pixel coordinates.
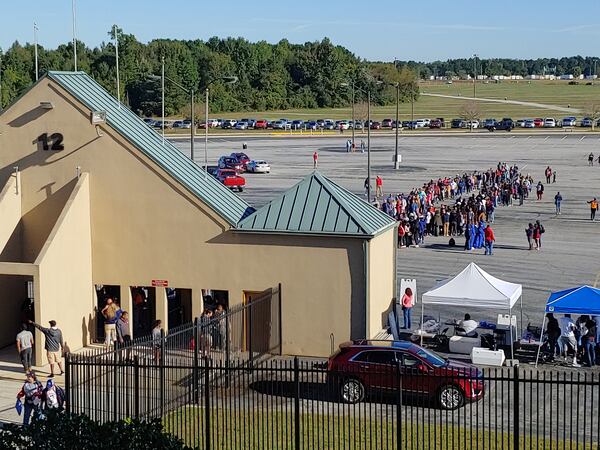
(563, 138)
(582, 138)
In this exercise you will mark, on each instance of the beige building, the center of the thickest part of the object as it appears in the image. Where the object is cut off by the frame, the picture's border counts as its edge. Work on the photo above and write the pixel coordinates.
(94, 203)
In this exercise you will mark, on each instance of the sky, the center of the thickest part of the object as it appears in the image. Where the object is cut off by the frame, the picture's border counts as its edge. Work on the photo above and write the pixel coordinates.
(406, 30)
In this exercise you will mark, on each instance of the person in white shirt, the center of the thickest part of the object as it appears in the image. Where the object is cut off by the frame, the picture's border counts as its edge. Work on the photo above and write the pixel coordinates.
(567, 337)
(468, 326)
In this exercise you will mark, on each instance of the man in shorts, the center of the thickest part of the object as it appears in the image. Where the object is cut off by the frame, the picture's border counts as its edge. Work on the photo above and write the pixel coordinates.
(54, 345)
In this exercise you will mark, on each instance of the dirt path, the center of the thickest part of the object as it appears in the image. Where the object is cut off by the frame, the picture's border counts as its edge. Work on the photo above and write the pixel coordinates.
(512, 102)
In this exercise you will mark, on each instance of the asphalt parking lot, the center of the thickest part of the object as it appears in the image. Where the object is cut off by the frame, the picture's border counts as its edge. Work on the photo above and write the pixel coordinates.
(571, 249)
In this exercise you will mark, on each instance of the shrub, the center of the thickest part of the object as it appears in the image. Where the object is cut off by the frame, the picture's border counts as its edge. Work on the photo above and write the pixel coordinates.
(60, 431)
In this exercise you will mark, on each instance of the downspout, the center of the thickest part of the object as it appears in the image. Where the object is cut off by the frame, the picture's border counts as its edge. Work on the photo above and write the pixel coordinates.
(367, 296)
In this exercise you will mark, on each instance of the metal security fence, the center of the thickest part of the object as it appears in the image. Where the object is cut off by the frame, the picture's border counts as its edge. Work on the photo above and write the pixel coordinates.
(295, 404)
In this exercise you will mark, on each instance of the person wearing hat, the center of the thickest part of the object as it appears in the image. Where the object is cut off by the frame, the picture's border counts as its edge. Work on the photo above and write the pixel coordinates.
(54, 345)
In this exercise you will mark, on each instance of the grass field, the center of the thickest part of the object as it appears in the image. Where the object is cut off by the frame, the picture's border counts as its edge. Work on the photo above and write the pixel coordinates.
(244, 429)
(558, 93)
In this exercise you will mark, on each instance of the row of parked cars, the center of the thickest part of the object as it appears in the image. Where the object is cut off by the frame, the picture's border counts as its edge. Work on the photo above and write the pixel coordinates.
(229, 169)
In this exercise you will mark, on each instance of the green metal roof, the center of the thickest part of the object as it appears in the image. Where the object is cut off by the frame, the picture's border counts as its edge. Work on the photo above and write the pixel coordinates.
(221, 199)
(316, 205)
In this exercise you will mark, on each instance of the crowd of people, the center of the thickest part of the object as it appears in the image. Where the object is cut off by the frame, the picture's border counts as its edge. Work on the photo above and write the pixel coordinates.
(463, 205)
(581, 338)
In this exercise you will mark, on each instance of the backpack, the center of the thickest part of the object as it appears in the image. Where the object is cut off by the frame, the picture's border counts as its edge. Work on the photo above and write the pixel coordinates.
(542, 230)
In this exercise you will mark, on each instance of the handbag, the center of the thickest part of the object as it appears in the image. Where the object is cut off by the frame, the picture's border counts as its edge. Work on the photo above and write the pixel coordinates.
(19, 406)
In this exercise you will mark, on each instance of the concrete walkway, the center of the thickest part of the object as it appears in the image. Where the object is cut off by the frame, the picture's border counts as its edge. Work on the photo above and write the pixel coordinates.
(512, 102)
(12, 378)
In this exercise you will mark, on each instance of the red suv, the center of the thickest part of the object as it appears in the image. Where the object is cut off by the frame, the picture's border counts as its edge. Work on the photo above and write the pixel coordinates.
(361, 367)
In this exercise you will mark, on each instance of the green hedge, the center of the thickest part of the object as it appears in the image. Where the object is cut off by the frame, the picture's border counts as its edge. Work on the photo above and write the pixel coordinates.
(61, 431)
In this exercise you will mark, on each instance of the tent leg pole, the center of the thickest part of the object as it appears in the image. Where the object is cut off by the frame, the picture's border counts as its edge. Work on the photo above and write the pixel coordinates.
(521, 316)
(422, 307)
(512, 340)
(537, 357)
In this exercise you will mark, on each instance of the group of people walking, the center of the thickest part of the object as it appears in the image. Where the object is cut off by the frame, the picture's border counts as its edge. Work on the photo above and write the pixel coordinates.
(580, 338)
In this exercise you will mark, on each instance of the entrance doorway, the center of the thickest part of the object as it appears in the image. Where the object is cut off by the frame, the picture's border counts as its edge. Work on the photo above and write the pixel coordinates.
(180, 306)
(104, 291)
(257, 321)
(144, 310)
(213, 297)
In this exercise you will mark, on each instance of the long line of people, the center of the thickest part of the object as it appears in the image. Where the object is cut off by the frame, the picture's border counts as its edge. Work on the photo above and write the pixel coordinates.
(427, 211)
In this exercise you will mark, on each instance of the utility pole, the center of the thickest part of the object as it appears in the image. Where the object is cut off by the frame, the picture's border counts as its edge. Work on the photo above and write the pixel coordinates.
(474, 74)
(369, 146)
(206, 129)
(162, 81)
(192, 130)
(116, 35)
(35, 46)
(353, 121)
(396, 165)
(74, 35)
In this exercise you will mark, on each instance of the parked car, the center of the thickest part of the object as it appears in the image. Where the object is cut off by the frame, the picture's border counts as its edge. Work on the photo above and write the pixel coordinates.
(529, 123)
(586, 122)
(456, 123)
(568, 121)
(375, 125)
(230, 178)
(241, 125)
(358, 125)
(297, 124)
(228, 124)
(520, 123)
(470, 124)
(258, 166)
(422, 123)
(362, 367)
(386, 123)
(490, 123)
(436, 123)
(505, 124)
(241, 158)
(328, 124)
(538, 123)
(187, 124)
(280, 125)
(251, 123)
(549, 122)
(311, 125)
(261, 124)
(149, 121)
(227, 162)
(342, 125)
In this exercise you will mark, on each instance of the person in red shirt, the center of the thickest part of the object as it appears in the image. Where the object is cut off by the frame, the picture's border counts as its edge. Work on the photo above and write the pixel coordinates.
(315, 160)
(489, 239)
(378, 186)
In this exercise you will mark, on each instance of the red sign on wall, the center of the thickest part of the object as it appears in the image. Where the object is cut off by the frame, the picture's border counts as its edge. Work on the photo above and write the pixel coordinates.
(160, 283)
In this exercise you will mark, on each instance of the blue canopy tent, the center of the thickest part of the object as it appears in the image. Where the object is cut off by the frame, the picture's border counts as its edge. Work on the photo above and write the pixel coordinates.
(579, 300)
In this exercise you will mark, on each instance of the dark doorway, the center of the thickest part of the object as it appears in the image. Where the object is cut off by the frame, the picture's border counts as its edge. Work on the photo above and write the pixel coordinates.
(104, 291)
(144, 310)
(212, 297)
(180, 306)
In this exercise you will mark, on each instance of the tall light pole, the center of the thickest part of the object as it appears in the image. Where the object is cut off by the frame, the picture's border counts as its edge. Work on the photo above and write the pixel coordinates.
(369, 146)
(35, 46)
(229, 79)
(162, 89)
(396, 163)
(474, 74)
(353, 120)
(116, 37)
(74, 35)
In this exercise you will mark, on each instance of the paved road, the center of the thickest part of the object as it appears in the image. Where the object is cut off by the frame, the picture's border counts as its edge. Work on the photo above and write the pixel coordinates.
(512, 102)
(570, 254)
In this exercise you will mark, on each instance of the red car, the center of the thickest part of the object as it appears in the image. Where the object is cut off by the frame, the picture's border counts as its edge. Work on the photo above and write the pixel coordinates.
(261, 124)
(538, 123)
(230, 178)
(241, 158)
(375, 126)
(362, 367)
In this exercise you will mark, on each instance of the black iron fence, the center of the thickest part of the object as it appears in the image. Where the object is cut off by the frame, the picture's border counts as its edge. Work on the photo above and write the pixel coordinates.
(296, 404)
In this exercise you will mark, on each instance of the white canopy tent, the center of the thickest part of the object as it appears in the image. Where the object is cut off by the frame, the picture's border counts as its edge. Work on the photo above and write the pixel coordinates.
(473, 287)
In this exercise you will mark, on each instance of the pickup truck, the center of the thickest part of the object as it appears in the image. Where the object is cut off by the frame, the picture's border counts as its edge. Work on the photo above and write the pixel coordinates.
(230, 179)
(505, 124)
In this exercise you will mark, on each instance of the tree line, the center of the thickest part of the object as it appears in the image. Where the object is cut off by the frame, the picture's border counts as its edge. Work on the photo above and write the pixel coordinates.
(572, 65)
(270, 76)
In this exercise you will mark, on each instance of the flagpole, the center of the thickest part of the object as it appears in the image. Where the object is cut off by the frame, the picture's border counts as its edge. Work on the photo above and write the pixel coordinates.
(35, 43)
(116, 31)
